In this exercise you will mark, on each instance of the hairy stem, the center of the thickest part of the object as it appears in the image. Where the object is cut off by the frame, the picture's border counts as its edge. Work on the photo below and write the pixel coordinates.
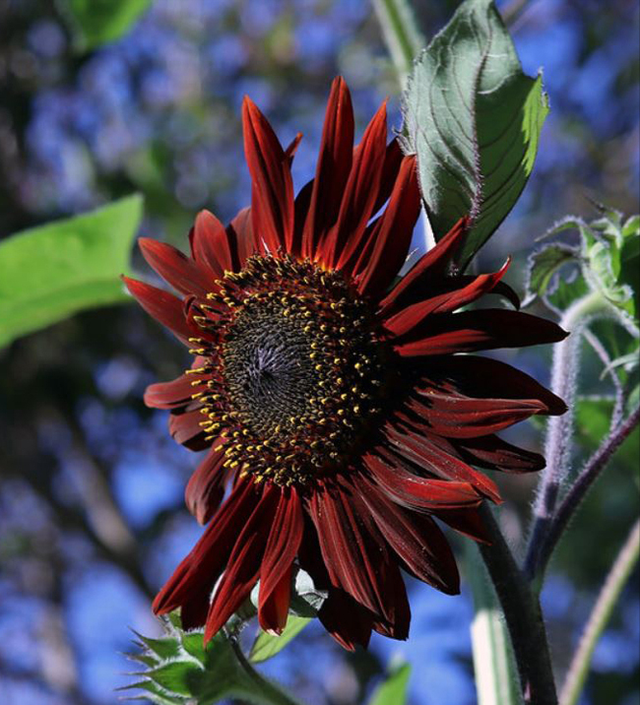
(590, 473)
(523, 618)
(626, 560)
(558, 443)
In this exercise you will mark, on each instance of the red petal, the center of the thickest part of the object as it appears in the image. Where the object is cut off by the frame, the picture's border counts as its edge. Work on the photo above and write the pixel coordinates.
(419, 492)
(240, 233)
(205, 488)
(455, 416)
(274, 609)
(360, 191)
(416, 539)
(176, 268)
(467, 522)
(332, 170)
(470, 331)
(412, 316)
(186, 429)
(393, 159)
(393, 232)
(243, 568)
(197, 573)
(164, 307)
(272, 193)
(348, 622)
(495, 454)
(484, 377)
(431, 267)
(355, 560)
(438, 462)
(290, 151)
(275, 574)
(209, 244)
(170, 395)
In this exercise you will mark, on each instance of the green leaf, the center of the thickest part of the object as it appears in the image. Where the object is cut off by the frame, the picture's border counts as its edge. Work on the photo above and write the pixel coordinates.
(97, 22)
(473, 119)
(394, 689)
(164, 648)
(178, 677)
(266, 645)
(544, 264)
(52, 271)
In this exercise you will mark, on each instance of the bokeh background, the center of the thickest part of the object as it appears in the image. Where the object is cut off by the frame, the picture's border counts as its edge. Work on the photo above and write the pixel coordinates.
(91, 509)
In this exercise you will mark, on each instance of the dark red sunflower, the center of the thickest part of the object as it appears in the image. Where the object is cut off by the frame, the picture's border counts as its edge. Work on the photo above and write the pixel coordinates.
(339, 414)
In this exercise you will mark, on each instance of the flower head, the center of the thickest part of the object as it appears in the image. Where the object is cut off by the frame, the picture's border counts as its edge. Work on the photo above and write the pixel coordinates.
(339, 416)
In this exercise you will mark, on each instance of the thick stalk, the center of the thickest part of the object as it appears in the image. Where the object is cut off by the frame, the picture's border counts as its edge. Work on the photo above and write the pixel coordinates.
(523, 618)
(626, 560)
(558, 443)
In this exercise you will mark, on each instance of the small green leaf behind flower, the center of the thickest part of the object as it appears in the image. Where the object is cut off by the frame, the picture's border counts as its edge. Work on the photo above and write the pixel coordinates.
(52, 271)
(393, 690)
(180, 669)
(473, 119)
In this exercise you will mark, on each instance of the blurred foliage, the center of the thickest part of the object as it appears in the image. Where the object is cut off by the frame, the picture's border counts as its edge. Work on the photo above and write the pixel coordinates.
(51, 271)
(91, 506)
(96, 22)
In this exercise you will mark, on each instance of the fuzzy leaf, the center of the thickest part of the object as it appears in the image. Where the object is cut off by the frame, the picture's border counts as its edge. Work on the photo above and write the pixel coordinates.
(165, 648)
(55, 270)
(266, 645)
(393, 691)
(544, 264)
(473, 118)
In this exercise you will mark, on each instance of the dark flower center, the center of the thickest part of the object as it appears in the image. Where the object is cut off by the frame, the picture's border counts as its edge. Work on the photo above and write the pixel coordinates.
(294, 376)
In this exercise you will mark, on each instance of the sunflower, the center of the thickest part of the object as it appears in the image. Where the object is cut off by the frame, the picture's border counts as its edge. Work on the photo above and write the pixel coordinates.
(342, 407)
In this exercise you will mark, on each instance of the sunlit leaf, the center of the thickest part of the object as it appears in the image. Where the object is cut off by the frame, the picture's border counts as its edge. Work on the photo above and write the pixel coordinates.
(267, 645)
(52, 271)
(473, 118)
(393, 691)
(97, 22)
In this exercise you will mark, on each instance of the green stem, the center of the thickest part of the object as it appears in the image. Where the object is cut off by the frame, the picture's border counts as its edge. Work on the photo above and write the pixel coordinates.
(269, 692)
(401, 35)
(523, 617)
(618, 576)
(493, 661)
